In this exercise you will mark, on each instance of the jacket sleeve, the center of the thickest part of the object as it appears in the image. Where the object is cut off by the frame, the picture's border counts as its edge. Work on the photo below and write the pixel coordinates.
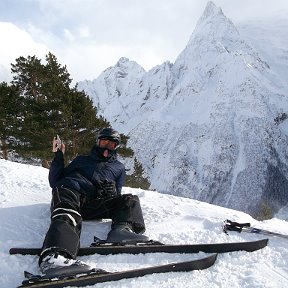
(56, 169)
(120, 181)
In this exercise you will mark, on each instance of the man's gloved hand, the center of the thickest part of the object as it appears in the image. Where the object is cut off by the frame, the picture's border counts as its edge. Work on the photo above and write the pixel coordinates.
(106, 188)
(109, 187)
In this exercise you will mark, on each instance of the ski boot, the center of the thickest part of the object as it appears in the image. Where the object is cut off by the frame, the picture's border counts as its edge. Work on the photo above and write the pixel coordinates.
(123, 233)
(55, 264)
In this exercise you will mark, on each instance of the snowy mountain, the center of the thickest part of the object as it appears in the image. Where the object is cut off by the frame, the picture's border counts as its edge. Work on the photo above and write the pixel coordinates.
(268, 36)
(24, 219)
(212, 126)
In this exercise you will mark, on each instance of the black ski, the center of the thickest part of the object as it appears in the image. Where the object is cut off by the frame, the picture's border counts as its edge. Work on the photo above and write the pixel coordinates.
(103, 276)
(104, 249)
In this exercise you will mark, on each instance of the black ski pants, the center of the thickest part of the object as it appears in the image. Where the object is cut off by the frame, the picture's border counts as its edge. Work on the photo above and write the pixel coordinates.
(69, 208)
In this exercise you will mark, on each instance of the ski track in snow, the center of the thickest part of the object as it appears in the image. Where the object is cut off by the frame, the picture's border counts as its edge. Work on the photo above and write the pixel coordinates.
(24, 219)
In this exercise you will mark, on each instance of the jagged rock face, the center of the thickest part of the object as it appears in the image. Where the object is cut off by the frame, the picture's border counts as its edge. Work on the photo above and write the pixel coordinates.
(212, 126)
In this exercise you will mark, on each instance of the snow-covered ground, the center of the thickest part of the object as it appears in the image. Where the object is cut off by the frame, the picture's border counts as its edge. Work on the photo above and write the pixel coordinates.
(24, 220)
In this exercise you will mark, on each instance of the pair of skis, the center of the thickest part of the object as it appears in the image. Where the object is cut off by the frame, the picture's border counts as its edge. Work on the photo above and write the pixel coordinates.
(101, 276)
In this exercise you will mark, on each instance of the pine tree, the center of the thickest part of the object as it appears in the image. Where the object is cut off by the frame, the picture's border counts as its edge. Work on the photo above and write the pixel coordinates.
(10, 116)
(52, 107)
(80, 123)
(30, 77)
(137, 179)
(123, 150)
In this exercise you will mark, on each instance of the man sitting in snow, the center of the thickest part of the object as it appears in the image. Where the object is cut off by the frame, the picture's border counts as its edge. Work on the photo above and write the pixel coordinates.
(88, 188)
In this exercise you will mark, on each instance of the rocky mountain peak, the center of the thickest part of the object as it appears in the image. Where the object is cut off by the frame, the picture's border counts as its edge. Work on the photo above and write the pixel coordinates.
(210, 11)
(214, 32)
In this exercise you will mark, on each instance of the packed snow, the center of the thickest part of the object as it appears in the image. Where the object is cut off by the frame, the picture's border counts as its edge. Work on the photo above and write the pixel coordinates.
(24, 219)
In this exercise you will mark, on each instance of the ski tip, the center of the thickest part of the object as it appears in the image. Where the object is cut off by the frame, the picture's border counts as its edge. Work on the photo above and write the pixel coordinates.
(266, 240)
(263, 241)
(213, 258)
(27, 274)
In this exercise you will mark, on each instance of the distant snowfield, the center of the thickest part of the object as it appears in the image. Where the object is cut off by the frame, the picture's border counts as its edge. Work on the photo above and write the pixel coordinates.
(24, 219)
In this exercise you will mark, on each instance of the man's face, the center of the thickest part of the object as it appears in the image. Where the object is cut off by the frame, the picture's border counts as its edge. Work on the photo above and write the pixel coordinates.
(107, 143)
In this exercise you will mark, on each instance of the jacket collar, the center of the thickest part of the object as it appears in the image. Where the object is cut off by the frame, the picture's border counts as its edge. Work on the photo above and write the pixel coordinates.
(97, 154)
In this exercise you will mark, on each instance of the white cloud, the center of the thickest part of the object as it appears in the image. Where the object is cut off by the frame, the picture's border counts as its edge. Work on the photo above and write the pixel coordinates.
(84, 57)
(15, 43)
(68, 35)
(4, 74)
(84, 32)
(90, 35)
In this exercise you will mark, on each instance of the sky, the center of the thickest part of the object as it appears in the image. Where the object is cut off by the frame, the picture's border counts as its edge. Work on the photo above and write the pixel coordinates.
(89, 36)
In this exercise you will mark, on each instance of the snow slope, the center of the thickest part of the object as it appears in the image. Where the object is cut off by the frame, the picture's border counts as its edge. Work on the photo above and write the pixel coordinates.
(24, 220)
(268, 37)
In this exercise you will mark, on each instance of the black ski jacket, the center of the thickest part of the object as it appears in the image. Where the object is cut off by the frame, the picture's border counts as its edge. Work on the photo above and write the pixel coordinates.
(84, 172)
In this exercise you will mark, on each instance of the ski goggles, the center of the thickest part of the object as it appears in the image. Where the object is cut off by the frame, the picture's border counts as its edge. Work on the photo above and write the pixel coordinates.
(108, 144)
